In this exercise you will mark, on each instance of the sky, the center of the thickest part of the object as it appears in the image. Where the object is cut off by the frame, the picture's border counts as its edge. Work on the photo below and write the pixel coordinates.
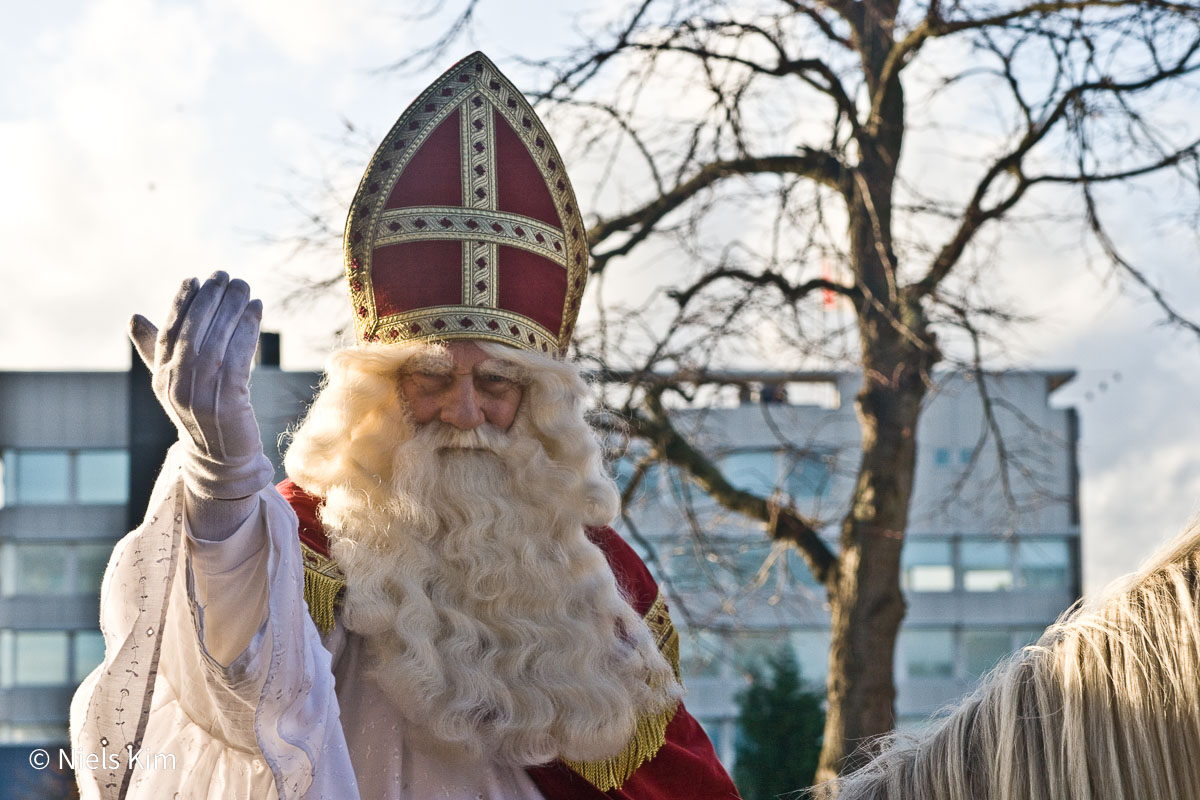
(146, 141)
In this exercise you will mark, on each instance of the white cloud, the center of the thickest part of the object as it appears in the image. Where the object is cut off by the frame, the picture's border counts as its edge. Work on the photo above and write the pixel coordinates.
(309, 31)
(105, 178)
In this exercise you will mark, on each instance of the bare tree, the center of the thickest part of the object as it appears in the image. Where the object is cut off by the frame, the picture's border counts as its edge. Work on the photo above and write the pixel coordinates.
(778, 174)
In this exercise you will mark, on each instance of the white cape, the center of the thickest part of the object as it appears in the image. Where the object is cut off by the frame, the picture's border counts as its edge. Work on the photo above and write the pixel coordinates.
(148, 724)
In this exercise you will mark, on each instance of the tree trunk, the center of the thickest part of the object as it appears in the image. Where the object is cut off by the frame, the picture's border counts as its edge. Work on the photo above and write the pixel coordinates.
(898, 352)
(865, 599)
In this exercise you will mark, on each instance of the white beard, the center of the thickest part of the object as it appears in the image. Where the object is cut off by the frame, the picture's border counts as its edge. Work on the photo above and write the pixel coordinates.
(494, 625)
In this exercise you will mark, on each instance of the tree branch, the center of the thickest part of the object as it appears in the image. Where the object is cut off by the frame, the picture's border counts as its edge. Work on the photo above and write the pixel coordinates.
(673, 448)
(1110, 249)
(792, 292)
(822, 24)
(975, 215)
(803, 68)
(817, 165)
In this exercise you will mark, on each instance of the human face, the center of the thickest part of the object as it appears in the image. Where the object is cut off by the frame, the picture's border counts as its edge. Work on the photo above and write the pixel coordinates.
(462, 386)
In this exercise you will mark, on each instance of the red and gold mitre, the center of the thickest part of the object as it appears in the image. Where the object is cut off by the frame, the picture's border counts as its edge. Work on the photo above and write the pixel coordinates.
(465, 225)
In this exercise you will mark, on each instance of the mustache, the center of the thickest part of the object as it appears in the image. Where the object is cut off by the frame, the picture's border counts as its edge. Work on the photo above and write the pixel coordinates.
(439, 436)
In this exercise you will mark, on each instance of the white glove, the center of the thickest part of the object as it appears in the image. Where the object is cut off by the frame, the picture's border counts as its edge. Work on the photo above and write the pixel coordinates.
(200, 363)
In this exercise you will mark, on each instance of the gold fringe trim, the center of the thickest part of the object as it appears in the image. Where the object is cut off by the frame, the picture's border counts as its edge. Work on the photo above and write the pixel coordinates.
(651, 732)
(323, 585)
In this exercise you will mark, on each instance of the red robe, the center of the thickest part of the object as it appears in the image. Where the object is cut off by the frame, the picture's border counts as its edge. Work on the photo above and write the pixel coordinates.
(685, 768)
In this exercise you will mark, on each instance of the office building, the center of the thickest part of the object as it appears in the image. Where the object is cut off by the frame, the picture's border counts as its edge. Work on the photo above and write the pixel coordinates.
(991, 554)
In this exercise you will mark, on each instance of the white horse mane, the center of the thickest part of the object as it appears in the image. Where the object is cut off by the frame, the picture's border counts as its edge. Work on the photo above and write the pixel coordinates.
(1105, 706)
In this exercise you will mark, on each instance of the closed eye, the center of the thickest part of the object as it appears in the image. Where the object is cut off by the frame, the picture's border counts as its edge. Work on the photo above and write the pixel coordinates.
(494, 383)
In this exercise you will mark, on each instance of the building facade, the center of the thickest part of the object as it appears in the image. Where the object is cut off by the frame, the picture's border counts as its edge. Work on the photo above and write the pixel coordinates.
(991, 555)
(991, 558)
(79, 452)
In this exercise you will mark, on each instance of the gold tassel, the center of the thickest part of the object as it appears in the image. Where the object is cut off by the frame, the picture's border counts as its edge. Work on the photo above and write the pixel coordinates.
(651, 732)
(323, 585)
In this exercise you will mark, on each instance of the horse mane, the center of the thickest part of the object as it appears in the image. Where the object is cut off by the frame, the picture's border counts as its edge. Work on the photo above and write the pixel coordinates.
(1106, 705)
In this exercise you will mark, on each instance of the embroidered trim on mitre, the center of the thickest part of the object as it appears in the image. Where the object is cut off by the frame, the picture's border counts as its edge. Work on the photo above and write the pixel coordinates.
(651, 732)
(323, 585)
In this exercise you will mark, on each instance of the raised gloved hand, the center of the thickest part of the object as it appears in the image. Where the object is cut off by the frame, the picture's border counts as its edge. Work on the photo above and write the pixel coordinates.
(200, 362)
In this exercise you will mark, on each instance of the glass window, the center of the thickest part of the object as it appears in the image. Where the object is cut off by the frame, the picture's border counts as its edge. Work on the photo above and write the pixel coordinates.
(90, 563)
(714, 728)
(941, 456)
(691, 567)
(1023, 637)
(32, 733)
(984, 649)
(649, 487)
(1043, 564)
(927, 652)
(41, 476)
(37, 569)
(749, 560)
(812, 654)
(89, 652)
(751, 649)
(985, 565)
(964, 455)
(687, 493)
(39, 658)
(698, 652)
(807, 476)
(799, 570)
(102, 476)
(752, 471)
(926, 566)
(7, 658)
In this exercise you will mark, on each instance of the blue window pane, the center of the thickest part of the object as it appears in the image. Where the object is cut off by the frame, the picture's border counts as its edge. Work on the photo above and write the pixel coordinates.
(42, 476)
(799, 570)
(698, 654)
(89, 652)
(715, 730)
(927, 653)
(622, 471)
(90, 563)
(926, 566)
(1044, 564)
(753, 471)
(984, 649)
(808, 476)
(35, 569)
(751, 650)
(812, 654)
(941, 456)
(749, 559)
(103, 476)
(41, 658)
(8, 658)
(986, 565)
(692, 567)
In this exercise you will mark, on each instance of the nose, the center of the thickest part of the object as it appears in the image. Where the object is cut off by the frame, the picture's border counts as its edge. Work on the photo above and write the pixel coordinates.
(462, 408)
